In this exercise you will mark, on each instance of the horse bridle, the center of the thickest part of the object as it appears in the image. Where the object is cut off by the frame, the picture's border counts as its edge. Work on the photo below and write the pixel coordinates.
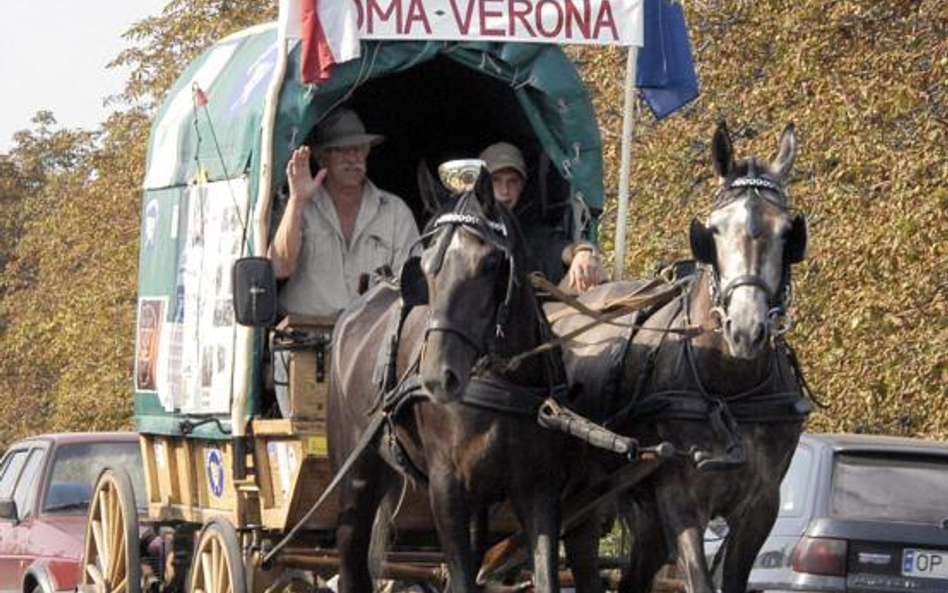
(493, 232)
(778, 301)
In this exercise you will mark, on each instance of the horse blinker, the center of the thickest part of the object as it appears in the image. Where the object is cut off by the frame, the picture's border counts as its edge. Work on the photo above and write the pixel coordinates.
(796, 242)
(702, 242)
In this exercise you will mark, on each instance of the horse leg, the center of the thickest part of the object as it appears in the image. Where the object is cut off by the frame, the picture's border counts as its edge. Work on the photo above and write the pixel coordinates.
(536, 502)
(747, 532)
(359, 496)
(649, 550)
(452, 517)
(582, 554)
(480, 531)
(679, 514)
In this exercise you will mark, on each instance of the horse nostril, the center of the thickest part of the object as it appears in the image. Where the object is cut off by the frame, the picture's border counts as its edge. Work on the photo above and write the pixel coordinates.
(728, 326)
(450, 382)
(759, 334)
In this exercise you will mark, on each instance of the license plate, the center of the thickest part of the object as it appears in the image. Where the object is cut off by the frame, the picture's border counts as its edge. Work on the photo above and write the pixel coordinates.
(932, 564)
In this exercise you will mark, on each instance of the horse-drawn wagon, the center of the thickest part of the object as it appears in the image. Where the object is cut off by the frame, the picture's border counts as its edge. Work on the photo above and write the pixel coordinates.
(239, 488)
(228, 476)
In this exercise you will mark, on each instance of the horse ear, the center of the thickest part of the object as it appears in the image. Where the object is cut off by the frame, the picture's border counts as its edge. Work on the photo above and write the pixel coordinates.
(484, 190)
(787, 152)
(434, 196)
(722, 152)
(795, 246)
(702, 242)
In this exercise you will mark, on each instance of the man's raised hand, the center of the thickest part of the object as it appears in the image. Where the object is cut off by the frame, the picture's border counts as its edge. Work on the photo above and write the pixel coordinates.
(300, 178)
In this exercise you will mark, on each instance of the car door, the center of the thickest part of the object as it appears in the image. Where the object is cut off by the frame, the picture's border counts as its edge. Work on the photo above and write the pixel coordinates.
(10, 470)
(24, 495)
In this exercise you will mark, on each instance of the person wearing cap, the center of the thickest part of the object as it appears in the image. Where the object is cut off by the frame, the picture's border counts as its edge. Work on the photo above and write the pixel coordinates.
(337, 225)
(575, 266)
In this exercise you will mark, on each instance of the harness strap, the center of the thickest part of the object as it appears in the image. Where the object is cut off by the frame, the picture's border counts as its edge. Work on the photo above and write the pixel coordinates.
(753, 280)
(493, 393)
(788, 406)
(626, 306)
(798, 372)
(437, 325)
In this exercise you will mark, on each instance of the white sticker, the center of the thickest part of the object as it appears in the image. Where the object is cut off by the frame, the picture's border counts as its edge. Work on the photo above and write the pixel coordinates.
(174, 222)
(161, 460)
(284, 466)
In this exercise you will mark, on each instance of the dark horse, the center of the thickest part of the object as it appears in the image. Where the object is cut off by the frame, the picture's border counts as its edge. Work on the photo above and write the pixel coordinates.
(471, 431)
(729, 400)
(731, 397)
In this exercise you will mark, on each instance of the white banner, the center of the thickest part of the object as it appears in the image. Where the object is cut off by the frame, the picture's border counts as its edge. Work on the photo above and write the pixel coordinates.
(598, 22)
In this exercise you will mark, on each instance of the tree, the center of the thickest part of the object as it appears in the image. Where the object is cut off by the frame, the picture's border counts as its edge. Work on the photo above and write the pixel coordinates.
(69, 220)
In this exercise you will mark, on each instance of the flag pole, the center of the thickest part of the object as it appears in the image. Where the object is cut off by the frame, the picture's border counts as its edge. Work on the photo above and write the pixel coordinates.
(622, 214)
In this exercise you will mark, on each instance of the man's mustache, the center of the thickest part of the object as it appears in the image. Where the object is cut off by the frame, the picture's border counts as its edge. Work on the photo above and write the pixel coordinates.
(357, 167)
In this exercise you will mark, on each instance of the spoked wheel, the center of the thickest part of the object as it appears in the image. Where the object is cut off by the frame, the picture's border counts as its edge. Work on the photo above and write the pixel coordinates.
(111, 556)
(217, 566)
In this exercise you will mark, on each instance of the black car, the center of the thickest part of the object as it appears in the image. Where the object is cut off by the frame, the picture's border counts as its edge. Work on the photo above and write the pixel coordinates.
(858, 514)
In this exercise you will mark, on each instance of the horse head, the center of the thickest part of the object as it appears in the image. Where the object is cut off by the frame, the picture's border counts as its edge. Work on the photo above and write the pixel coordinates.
(750, 241)
(469, 265)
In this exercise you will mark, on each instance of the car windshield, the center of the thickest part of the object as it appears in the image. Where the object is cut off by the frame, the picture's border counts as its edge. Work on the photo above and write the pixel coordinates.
(900, 488)
(77, 467)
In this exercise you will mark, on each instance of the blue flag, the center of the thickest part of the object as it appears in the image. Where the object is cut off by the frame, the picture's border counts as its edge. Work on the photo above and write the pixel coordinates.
(665, 70)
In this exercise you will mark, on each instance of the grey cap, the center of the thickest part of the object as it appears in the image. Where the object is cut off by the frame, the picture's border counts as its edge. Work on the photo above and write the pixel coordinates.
(504, 155)
(343, 128)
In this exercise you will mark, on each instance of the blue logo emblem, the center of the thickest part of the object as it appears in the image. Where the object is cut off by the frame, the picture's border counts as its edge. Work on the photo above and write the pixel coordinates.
(215, 471)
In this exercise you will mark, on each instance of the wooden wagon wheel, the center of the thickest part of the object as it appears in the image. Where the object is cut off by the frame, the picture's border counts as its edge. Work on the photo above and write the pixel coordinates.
(111, 559)
(218, 566)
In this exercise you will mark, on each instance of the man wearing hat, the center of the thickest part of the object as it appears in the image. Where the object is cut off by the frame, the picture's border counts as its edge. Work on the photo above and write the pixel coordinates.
(338, 225)
(575, 265)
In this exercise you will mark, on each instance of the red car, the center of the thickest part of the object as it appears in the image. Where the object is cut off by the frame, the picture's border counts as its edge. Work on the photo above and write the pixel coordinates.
(45, 486)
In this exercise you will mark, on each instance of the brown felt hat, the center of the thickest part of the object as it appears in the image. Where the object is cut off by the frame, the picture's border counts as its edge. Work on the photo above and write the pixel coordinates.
(343, 128)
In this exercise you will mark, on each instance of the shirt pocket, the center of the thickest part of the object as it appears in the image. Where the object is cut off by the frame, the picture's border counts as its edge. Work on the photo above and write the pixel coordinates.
(319, 252)
(378, 251)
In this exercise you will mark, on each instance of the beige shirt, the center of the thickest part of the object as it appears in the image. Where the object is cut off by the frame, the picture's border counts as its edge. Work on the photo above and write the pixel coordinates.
(327, 273)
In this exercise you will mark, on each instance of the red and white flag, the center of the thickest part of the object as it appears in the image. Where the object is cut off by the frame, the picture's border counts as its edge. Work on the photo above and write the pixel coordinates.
(329, 30)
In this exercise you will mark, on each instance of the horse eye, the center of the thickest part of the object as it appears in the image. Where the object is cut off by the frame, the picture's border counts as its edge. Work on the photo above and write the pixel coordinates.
(492, 262)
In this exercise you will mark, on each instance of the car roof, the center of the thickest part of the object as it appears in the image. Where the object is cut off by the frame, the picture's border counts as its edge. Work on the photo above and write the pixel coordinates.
(865, 443)
(65, 438)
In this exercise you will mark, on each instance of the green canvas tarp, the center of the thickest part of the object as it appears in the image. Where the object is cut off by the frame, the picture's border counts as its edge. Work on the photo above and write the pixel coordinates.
(223, 138)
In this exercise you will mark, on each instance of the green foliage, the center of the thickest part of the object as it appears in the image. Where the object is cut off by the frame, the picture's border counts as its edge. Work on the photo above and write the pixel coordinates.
(69, 217)
(866, 83)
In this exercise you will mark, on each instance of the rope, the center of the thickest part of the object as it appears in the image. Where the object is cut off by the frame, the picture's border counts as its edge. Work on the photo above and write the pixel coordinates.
(620, 308)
